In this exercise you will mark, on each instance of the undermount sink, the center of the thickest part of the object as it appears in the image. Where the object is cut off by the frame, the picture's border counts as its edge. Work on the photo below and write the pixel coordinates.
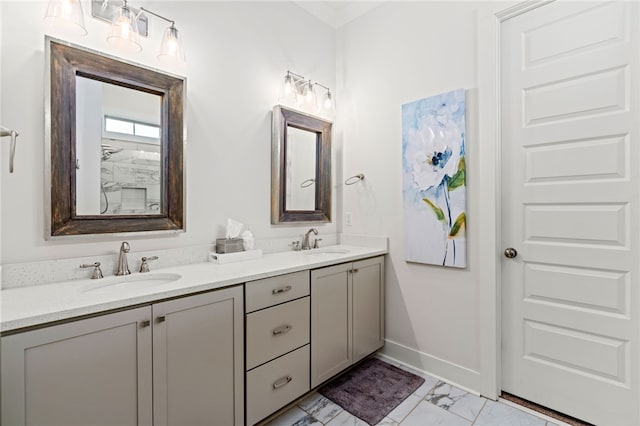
(140, 280)
(326, 251)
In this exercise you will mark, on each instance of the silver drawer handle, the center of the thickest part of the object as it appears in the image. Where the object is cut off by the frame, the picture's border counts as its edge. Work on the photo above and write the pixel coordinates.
(280, 383)
(282, 329)
(281, 289)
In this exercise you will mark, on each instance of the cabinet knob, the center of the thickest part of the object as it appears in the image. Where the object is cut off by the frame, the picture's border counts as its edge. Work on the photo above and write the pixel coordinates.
(145, 323)
(280, 383)
(161, 318)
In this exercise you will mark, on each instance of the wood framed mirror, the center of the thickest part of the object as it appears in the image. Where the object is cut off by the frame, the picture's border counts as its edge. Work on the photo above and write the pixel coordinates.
(300, 167)
(115, 138)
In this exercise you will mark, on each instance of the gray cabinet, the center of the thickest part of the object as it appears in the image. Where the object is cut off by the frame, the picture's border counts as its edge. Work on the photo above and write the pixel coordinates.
(175, 362)
(347, 316)
(277, 343)
(91, 372)
(198, 360)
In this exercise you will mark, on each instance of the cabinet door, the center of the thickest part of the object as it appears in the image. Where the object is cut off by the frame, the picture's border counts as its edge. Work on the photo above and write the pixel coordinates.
(368, 307)
(330, 322)
(88, 372)
(198, 359)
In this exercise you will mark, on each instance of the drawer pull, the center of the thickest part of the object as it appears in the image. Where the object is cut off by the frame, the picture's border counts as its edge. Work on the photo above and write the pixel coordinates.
(161, 319)
(282, 329)
(280, 383)
(145, 323)
(281, 290)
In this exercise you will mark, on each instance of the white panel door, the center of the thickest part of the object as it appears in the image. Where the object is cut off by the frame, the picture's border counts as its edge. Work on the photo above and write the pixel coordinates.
(570, 193)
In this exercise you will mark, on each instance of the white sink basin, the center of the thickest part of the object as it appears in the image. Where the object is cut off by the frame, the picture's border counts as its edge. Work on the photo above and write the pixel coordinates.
(326, 251)
(140, 280)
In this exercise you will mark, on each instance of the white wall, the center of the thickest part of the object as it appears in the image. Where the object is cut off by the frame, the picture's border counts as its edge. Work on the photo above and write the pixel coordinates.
(398, 53)
(237, 54)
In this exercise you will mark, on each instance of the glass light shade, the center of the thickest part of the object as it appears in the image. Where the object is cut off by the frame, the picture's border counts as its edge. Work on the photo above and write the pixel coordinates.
(124, 32)
(327, 103)
(171, 50)
(309, 96)
(66, 15)
(288, 86)
(289, 90)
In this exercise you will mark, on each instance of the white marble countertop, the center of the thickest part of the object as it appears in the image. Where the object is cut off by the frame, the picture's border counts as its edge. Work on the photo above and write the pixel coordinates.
(35, 305)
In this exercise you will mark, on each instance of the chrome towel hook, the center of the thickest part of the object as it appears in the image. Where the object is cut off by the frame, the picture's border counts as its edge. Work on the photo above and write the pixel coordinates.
(9, 132)
(354, 179)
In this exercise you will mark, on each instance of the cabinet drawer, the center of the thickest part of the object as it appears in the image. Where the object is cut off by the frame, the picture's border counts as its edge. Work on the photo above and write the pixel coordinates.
(277, 383)
(275, 331)
(272, 291)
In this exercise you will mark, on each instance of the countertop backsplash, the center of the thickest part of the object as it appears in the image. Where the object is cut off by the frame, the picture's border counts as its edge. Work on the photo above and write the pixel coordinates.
(15, 275)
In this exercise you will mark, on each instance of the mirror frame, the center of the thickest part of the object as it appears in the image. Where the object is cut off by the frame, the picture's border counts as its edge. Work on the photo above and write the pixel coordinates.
(65, 63)
(283, 117)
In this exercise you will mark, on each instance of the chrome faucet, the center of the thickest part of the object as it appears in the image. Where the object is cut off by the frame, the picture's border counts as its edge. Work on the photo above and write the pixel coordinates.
(305, 241)
(123, 265)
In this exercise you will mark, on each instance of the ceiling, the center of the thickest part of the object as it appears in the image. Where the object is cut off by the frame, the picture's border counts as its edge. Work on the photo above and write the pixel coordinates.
(337, 13)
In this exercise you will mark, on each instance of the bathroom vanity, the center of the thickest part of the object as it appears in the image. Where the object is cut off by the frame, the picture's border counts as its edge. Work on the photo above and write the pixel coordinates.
(206, 344)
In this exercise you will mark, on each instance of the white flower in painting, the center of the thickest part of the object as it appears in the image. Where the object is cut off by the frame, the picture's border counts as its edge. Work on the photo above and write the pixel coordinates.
(433, 151)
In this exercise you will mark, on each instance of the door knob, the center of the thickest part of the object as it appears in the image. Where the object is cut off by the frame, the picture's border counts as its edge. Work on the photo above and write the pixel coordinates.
(510, 253)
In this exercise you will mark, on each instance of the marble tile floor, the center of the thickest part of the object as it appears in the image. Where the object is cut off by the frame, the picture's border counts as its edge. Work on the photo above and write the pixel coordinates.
(434, 403)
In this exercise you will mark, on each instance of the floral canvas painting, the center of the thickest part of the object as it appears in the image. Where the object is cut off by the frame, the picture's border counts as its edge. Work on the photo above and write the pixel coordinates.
(434, 180)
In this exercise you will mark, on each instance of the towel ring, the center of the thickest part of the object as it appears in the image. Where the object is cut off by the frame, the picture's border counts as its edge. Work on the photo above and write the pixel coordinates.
(8, 132)
(354, 179)
(307, 183)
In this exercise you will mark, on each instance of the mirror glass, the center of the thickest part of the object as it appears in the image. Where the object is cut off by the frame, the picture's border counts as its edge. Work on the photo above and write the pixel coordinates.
(115, 142)
(118, 150)
(301, 169)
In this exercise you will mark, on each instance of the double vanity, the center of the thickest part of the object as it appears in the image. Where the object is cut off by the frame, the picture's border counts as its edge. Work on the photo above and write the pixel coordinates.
(197, 344)
(214, 344)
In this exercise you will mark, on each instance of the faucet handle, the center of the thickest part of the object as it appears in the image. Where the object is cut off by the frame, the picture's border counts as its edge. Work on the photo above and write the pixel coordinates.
(96, 273)
(144, 266)
(316, 243)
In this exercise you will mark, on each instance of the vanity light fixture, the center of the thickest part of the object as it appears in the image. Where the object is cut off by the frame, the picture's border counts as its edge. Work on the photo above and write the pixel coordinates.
(297, 89)
(67, 13)
(127, 25)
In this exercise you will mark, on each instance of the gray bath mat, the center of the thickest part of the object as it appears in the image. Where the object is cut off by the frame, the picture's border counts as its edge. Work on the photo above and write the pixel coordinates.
(372, 390)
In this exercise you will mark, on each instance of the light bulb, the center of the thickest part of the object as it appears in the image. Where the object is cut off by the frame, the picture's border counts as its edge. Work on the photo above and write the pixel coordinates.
(66, 8)
(123, 23)
(309, 94)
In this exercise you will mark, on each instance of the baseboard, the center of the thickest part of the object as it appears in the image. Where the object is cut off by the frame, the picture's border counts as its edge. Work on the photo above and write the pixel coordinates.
(451, 373)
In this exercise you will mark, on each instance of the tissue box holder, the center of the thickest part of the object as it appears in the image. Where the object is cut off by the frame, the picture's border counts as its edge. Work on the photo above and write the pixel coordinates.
(229, 245)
